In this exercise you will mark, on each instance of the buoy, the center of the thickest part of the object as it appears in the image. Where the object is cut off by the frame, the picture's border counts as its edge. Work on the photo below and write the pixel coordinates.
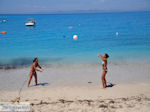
(117, 33)
(70, 27)
(3, 32)
(75, 37)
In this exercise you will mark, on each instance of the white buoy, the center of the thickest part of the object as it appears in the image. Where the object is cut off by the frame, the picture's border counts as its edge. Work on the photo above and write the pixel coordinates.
(117, 33)
(75, 37)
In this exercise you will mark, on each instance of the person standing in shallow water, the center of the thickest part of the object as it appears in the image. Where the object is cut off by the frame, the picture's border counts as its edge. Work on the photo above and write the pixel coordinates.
(104, 67)
(33, 71)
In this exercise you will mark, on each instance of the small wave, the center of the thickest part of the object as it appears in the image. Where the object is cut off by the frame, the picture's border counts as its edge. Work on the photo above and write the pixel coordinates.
(15, 63)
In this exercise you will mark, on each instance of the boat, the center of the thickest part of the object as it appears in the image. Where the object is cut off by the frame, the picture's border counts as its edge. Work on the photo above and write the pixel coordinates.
(3, 21)
(30, 22)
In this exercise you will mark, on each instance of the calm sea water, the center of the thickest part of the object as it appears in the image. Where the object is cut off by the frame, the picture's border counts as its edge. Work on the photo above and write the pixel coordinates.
(51, 40)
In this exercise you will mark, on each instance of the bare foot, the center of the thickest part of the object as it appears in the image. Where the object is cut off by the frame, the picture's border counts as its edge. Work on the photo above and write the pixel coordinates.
(103, 88)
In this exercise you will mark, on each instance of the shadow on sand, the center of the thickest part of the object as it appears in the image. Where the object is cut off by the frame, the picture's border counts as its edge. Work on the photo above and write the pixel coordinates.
(110, 85)
(41, 84)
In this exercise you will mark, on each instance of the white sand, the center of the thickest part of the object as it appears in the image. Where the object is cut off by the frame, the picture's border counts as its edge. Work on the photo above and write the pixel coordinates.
(66, 89)
(120, 98)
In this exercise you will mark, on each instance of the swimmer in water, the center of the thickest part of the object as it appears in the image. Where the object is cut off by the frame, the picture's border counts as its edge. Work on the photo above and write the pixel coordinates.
(33, 71)
(104, 67)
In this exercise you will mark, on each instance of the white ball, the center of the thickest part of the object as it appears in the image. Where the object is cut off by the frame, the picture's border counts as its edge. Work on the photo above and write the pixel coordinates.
(75, 37)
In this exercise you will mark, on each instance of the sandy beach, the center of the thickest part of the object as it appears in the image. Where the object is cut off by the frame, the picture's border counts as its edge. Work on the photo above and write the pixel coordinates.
(120, 98)
(78, 89)
(67, 48)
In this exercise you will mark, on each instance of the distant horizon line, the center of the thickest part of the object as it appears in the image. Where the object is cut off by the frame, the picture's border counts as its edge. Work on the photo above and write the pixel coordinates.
(77, 12)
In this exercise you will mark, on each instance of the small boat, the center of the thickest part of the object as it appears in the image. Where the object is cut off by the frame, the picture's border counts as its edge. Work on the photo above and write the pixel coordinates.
(30, 22)
(3, 21)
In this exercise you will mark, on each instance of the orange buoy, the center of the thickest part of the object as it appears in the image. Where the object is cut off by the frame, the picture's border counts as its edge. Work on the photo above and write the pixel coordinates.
(3, 32)
(70, 27)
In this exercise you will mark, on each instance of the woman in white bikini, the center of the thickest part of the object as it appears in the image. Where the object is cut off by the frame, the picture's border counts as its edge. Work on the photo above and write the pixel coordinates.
(104, 67)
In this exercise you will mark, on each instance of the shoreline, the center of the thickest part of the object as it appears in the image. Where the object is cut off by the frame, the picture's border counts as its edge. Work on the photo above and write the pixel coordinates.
(75, 64)
(60, 62)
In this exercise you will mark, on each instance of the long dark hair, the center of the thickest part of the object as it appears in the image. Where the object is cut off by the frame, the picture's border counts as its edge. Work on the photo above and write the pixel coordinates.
(35, 59)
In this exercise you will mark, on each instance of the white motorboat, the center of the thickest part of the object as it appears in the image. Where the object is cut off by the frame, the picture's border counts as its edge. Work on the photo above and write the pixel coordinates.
(30, 22)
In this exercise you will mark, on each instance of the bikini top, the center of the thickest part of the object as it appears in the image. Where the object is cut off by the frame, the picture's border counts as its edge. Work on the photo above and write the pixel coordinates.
(103, 63)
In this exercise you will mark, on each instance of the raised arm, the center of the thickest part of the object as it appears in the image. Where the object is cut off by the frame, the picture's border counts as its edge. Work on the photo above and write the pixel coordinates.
(100, 56)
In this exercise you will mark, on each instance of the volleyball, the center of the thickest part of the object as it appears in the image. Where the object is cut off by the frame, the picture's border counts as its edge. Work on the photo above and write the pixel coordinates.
(75, 37)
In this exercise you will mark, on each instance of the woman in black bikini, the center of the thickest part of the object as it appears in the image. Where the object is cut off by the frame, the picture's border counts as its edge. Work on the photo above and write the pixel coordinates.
(104, 67)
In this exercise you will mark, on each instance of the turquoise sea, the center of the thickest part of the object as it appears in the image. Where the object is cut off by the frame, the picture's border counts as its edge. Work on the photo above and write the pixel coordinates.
(52, 41)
